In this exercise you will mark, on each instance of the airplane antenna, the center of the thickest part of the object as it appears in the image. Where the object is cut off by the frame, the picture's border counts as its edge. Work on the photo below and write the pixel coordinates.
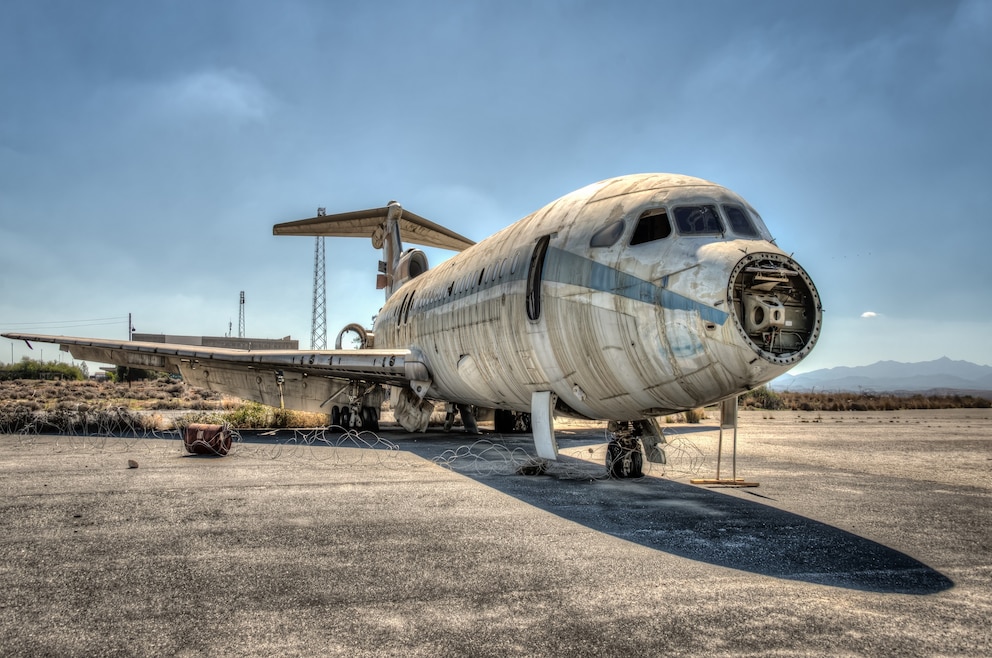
(241, 317)
(318, 324)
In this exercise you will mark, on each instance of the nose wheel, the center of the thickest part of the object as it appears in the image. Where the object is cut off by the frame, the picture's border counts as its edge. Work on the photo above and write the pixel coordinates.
(624, 458)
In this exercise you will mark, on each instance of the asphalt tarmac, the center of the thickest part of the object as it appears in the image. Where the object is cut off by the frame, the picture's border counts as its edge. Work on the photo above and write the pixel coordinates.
(870, 534)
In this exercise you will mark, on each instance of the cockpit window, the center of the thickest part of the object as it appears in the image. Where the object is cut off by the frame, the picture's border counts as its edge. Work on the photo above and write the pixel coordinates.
(698, 219)
(740, 223)
(652, 225)
(608, 235)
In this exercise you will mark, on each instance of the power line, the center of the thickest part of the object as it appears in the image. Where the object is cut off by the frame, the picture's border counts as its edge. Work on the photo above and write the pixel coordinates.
(73, 323)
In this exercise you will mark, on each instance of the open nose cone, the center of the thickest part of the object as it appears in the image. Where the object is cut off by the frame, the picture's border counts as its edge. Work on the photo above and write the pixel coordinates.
(776, 307)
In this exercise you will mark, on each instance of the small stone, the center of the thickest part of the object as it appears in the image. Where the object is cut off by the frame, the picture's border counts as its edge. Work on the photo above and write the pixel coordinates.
(132, 464)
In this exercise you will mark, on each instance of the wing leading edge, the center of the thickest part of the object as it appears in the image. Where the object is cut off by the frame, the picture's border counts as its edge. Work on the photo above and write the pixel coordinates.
(384, 366)
(293, 378)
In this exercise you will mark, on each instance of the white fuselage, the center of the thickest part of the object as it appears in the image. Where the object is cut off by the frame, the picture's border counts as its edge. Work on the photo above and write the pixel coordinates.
(581, 299)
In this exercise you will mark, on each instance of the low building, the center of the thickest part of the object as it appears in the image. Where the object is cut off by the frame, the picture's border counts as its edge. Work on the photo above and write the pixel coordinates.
(230, 342)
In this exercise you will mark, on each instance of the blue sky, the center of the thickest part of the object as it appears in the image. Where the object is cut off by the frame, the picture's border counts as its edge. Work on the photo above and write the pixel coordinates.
(146, 149)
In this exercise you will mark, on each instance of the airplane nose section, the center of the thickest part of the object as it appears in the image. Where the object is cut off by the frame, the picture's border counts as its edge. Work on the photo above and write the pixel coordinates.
(776, 307)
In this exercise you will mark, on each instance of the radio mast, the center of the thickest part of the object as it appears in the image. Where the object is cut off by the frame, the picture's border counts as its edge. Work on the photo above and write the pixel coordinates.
(241, 317)
(318, 324)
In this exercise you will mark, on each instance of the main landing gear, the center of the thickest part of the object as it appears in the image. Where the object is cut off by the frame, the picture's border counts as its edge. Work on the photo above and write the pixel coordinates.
(510, 422)
(363, 418)
(624, 458)
(468, 417)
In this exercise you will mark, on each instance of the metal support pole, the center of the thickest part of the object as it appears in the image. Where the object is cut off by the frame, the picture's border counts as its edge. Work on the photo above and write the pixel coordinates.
(728, 420)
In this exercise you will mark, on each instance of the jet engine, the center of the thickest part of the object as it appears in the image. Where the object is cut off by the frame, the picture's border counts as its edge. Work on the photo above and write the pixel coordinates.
(412, 264)
(363, 337)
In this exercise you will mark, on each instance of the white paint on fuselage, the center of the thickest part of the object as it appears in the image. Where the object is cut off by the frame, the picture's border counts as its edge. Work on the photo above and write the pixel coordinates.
(625, 331)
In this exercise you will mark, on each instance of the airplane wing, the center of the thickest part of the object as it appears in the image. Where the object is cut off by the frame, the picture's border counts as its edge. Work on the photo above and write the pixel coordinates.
(292, 378)
(364, 223)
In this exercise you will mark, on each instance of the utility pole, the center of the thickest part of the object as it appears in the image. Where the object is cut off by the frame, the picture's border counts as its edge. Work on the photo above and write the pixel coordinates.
(318, 324)
(241, 317)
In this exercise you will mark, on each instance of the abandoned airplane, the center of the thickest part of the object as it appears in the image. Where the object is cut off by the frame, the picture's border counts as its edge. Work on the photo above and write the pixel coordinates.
(628, 299)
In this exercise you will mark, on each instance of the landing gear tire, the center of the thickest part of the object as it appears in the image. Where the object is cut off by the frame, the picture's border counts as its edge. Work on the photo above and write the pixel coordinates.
(522, 423)
(345, 418)
(335, 415)
(504, 421)
(370, 419)
(623, 462)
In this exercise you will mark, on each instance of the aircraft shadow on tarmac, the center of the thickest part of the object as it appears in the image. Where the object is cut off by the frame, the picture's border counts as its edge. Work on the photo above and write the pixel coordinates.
(709, 526)
(659, 513)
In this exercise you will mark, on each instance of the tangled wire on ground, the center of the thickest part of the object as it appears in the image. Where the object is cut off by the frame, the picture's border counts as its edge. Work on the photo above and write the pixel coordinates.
(83, 428)
(93, 430)
(112, 421)
(351, 447)
(487, 458)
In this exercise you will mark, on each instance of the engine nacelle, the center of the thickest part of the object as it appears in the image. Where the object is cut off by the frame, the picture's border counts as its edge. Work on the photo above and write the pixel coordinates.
(365, 338)
(412, 264)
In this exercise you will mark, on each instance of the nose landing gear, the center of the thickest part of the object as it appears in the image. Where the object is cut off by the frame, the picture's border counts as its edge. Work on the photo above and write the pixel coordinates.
(624, 458)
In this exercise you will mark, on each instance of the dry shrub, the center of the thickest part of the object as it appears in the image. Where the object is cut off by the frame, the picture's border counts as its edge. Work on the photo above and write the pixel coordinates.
(879, 402)
(693, 416)
(182, 422)
(292, 418)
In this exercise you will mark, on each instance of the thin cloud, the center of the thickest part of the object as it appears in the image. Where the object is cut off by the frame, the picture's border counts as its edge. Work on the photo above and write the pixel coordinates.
(228, 94)
(869, 314)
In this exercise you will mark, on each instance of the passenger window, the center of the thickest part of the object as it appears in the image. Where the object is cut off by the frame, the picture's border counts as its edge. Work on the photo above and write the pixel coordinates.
(698, 219)
(608, 235)
(740, 223)
(652, 225)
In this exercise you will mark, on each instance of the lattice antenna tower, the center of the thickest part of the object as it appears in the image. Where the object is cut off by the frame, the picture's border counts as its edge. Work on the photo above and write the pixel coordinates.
(318, 323)
(241, 317)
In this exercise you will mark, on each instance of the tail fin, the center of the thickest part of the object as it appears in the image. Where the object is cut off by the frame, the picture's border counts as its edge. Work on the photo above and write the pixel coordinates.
(386, 227)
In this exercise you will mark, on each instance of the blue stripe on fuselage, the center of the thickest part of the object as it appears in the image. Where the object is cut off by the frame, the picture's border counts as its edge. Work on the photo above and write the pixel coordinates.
(565, 267)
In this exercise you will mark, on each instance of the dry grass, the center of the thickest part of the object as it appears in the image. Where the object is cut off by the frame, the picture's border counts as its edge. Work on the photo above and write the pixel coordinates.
(88, 406)
(159, 394)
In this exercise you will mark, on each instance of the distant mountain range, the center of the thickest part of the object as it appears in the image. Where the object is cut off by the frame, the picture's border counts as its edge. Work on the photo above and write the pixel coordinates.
(942, 375)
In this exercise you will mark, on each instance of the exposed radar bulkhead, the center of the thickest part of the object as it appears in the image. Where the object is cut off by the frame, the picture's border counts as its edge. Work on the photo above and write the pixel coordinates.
(763, 312)
(776, 306)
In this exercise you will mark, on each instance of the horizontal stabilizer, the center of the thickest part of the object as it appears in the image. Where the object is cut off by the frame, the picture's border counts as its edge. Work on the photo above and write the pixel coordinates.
(364, 223)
